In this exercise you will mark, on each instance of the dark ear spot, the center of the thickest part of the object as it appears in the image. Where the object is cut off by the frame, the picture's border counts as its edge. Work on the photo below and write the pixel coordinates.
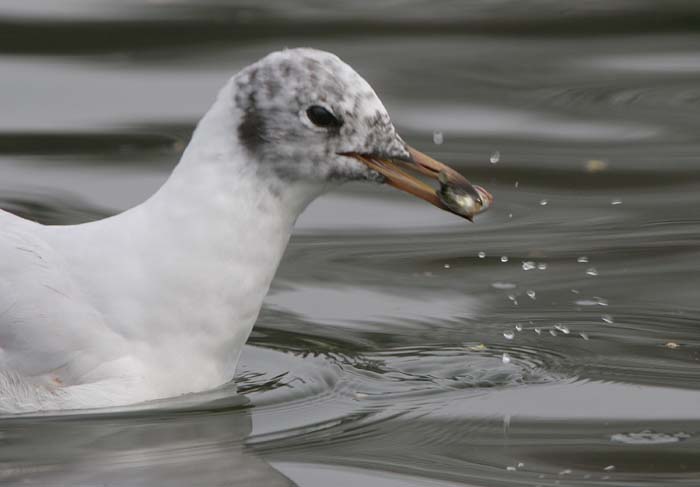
(251, 131)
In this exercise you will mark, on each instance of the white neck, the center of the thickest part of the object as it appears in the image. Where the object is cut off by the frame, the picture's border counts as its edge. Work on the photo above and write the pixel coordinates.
(185, 273)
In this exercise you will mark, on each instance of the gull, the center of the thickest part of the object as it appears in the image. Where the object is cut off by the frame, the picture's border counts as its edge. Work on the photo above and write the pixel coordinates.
(159, 300)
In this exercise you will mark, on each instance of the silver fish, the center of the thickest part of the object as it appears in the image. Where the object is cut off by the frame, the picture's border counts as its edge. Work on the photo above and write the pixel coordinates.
(461, 200)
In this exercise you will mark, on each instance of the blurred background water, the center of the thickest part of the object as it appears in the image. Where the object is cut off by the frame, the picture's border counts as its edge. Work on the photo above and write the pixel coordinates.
(554, 342)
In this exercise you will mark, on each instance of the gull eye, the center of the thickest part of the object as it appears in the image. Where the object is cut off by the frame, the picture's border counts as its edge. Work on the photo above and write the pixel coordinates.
(322, 117)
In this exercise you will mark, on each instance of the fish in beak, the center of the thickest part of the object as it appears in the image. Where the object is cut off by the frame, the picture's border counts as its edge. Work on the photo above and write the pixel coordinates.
(456, 194)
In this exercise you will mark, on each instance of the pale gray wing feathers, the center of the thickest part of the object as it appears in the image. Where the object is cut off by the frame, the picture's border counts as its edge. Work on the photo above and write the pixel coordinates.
(45, 323)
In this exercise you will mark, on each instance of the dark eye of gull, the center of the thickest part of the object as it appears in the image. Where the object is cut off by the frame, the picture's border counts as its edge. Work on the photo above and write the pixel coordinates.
(322, 117)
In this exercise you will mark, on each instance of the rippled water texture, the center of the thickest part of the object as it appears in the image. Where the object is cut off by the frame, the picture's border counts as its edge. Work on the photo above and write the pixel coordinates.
(554, 342)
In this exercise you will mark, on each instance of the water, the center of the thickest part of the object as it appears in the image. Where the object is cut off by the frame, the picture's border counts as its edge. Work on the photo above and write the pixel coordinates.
(380, 356)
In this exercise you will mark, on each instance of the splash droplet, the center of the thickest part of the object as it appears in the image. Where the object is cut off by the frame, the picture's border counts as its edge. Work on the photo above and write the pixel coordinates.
(591, 271)
(495, 157)
(518, 327)
(562, 328)
(582, 260)
(504, 258)
(508, 335)
(531, 294)
(541, 266)
(505, 358)
(481, 255)
(438, 137)
(538, 331)
(616, 202)
(517, 184)
(544, 202)
(584, 336)
(607, 319)
(446, 266)
(528, 265)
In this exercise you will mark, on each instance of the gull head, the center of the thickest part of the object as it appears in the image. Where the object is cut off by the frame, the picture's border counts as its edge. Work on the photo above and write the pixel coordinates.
(305, 115)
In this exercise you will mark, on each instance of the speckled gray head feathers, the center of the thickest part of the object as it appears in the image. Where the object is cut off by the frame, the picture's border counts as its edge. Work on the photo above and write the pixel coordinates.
(273, 96)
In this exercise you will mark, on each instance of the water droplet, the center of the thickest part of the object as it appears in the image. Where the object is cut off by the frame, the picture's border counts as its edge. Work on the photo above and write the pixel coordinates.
(504, 258)
(361, 395)
(591, 271)
(505, 358)
(531, 294)
(544, 202)
(541, 266)
(584, 336)
(528, 265)
(508, 335)
(510, 468)
(538, 331)
(607, 319)
(495, 157)
(562, 328)
(575, 291)
(503, 285)
(671, 345)
(428, 274)
(510, 215)
(518, 327)
(565, 472)
(582, 260)
(517, 184)
(609, 468)
(616, 202)
(446, 266)
(438, 137)
(481, 255)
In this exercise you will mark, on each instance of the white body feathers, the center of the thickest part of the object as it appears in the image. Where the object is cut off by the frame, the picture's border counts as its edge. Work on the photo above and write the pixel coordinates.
(154, 302)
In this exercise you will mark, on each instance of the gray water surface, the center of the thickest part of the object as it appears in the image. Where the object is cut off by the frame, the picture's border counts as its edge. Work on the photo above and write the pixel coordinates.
(554, 342)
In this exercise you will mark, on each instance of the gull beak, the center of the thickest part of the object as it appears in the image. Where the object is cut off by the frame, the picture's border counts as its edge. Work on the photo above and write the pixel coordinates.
(456, 194)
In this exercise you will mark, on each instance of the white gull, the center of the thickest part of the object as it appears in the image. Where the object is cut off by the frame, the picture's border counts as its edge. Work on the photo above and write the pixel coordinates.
(159, 300)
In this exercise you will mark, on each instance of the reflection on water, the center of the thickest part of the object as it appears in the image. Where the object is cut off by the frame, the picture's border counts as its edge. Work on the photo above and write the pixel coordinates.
(554, 342)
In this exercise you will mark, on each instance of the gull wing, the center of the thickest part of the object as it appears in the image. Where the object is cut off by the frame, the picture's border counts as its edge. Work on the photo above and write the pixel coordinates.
(46, 325)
